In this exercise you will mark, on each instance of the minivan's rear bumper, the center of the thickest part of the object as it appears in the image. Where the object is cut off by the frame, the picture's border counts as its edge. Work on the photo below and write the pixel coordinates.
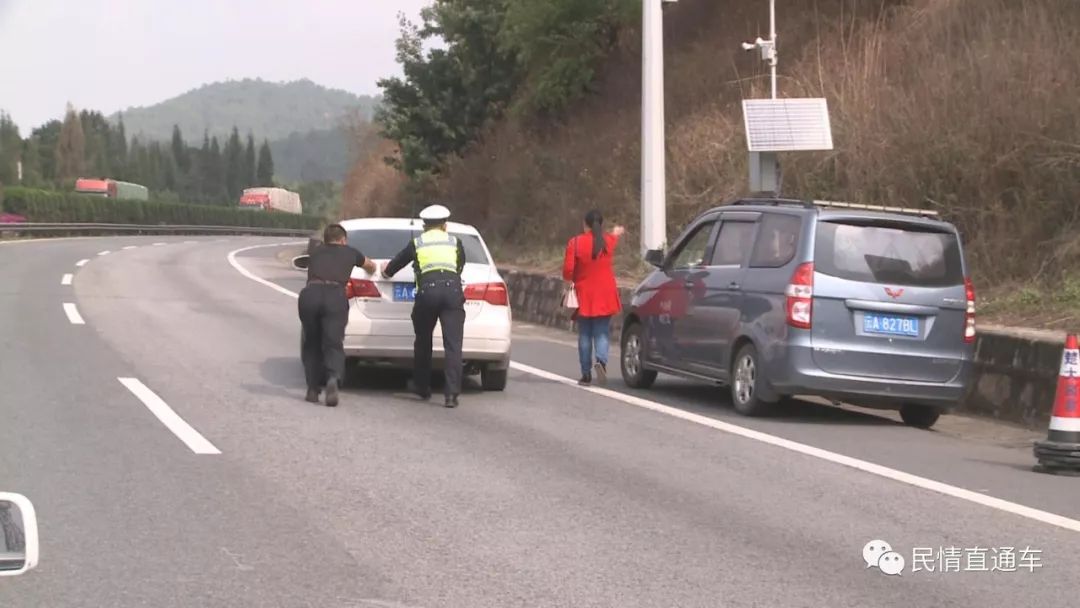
(797, 374)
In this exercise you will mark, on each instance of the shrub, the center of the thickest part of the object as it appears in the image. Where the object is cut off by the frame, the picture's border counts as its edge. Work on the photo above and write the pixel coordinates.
(65, 207)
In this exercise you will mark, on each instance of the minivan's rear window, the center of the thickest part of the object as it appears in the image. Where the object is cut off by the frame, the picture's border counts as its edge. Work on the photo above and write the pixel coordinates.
(383, 244)
(898, 254)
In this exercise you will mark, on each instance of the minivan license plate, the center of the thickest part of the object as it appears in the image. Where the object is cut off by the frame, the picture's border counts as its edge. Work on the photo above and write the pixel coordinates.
(404, 292)
(891, 325)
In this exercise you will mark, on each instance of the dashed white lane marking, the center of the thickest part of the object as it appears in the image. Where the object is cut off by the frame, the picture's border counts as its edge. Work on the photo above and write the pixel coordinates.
(184, 431)
(159, 244)
(801, 448)
(82, 263)
(130, 247)
(73, 314)
(106, 252)
(190, 242)
(66, 279)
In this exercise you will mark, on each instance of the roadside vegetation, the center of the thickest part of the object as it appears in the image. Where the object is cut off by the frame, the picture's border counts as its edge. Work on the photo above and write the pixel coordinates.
(527, 114)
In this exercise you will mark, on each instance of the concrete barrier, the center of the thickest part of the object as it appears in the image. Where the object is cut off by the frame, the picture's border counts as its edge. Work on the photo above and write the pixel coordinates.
(1015, 369)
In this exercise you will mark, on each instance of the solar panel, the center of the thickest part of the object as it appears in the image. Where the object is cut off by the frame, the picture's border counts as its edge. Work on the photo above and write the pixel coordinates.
(787, 125)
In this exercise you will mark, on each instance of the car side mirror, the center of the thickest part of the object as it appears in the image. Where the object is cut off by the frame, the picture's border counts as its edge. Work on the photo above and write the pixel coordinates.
(18, 535)
(655, 257)
(301, 262)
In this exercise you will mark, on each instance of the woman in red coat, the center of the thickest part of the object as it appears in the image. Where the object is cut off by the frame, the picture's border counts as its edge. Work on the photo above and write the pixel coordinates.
(588, 265)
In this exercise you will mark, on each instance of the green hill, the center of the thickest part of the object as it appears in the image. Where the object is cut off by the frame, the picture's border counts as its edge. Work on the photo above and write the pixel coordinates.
(269, 110)
(303, 121)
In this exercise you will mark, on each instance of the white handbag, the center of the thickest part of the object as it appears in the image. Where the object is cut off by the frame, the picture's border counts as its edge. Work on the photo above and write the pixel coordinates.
(570, 300)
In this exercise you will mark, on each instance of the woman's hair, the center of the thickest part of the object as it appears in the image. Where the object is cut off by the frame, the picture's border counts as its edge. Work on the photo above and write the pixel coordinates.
(595, 221)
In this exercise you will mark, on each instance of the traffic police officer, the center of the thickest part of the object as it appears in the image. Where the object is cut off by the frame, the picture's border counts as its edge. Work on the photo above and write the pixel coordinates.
(438, 259)
(324, 312)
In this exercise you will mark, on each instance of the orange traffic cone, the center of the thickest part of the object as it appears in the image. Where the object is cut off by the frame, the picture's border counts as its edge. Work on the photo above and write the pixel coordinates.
(1060, 453)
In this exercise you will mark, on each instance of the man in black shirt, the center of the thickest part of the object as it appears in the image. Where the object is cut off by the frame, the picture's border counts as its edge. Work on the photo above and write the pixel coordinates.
(324, 312)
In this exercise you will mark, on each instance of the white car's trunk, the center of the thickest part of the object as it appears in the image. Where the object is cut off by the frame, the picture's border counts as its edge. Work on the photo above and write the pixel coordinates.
(389, 307)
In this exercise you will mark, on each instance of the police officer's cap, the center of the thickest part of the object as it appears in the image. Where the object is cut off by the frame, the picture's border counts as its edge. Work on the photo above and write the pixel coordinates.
(435, 214)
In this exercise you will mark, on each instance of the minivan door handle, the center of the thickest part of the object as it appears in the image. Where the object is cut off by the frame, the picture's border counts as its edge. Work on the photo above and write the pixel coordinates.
(733, 286)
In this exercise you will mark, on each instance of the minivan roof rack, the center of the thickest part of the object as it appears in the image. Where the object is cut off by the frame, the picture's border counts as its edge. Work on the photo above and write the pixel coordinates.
(773, 201)
(881, 208)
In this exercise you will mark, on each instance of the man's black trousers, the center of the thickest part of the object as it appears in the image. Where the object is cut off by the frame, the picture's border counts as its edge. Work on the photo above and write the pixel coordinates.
(443, 302)
(324, 312)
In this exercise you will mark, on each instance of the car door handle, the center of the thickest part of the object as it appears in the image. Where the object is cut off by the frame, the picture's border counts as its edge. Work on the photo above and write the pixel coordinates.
(734, 286)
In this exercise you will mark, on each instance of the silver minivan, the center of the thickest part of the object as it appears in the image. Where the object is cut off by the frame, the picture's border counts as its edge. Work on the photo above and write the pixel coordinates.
(871, 306)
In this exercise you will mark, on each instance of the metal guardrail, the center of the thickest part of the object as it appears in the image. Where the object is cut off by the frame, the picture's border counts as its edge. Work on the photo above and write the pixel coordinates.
(45, 228)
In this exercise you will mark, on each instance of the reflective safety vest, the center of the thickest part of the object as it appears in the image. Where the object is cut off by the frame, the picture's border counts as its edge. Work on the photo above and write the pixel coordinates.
(436, 251)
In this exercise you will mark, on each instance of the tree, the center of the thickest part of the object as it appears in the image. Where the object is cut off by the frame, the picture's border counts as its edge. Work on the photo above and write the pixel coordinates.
(265, 172)
(47, 140)
(71, 148)
(250, 163)
(11, 150)
(118, 151)
(234, 165)
(215, 174)
(559, 43)
(96, 133)
(180, 151)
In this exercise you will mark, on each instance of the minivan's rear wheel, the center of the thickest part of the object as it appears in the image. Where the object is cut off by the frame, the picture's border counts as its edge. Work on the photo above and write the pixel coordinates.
(919, 416)
(632, 360)
(746, 383)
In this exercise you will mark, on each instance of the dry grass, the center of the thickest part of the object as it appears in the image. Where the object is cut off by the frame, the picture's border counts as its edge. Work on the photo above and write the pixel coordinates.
(965, 105)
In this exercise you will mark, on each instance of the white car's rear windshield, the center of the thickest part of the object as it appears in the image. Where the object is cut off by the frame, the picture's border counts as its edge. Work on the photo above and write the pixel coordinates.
(900, 254)
(383, 244)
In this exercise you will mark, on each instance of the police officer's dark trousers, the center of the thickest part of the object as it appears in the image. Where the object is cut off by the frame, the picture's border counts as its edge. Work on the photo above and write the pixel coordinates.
(324, 312)
(439, 301)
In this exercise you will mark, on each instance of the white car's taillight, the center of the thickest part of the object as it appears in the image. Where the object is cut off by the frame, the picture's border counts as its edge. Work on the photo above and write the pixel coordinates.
(969, 312)
(492, 293)
(800, 297)
(361, 288)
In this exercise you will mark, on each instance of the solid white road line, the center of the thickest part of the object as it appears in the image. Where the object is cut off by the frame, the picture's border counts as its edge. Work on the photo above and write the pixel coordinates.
(169, 418)
(801, 448)
(244, 271)
(66, 280)
(73, 314)
(130, 247)
(855, 463)
(106, 252)
(82, 263)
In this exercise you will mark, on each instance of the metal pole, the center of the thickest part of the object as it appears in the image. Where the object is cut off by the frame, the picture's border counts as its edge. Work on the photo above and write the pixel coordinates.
(772, 39)
(653, 178)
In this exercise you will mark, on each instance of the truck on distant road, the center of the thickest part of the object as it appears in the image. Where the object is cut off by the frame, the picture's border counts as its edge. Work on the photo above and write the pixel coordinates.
(271, 199)
(111, 188)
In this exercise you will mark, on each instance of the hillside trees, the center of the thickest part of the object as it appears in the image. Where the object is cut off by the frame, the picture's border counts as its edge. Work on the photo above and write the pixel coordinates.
(530, 56)
(86, 144)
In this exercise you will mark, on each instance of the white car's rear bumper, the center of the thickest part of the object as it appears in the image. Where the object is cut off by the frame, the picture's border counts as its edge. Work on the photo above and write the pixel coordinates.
(389, 343)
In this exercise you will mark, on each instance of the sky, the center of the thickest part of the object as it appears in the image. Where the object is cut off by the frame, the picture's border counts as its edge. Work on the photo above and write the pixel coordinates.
(110, 55)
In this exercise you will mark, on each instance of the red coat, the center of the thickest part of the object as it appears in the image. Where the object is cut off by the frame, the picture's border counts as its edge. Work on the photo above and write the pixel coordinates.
(594, 280)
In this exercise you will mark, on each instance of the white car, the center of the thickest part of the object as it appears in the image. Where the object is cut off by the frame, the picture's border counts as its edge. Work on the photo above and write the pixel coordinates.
(380, 331)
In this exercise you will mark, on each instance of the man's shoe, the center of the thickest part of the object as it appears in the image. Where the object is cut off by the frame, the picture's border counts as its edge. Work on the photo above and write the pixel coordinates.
(585, 380)
(601, 373)
(332, 393)
(312, 395)
(423, 395)
(451, 401)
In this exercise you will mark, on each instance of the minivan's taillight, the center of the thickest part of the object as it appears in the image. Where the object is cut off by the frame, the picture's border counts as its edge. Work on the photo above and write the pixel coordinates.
(492, 293)
(361, 288)
(969, 312)
(800, 297)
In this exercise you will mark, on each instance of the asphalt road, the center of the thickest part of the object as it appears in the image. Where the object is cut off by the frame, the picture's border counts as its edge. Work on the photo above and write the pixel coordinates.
(545, 495)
